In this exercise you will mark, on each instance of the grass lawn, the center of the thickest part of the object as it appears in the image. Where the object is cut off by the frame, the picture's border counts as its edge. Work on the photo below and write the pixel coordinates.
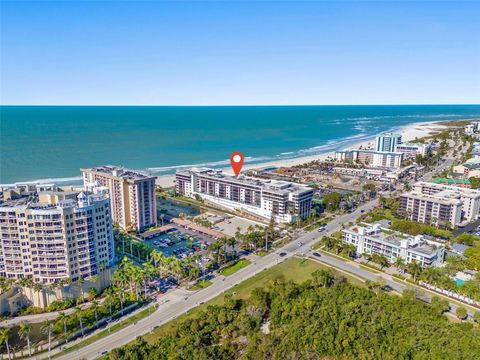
(201, 285)
(105, 332)
(235, 267)
(293, 269)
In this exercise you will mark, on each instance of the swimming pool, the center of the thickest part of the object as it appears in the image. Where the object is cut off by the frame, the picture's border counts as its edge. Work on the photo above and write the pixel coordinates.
(459, 282)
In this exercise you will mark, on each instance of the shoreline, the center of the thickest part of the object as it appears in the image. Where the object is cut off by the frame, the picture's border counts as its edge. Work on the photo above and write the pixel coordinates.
(409, 133)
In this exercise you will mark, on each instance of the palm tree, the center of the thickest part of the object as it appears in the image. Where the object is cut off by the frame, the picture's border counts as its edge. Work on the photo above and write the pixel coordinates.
(161, 261)
(155, 256)
(46, 328)
(4, 335)
(4, 284)
(23, 282)
(52, 287)
(176, 267)
(214, 248)
(161, 218)
(429, 274)
(94, 308)
(24, 333)
(238, 234)
(328, 242)
(399, 263)
(414, 269)
(63, 318)
(223, 243)
(78, 314)
(92, 293)
(80, 283)
(121, 296)
(349, 250)
(194, 272)
(109, 299)
(232, 242)
(37, 287)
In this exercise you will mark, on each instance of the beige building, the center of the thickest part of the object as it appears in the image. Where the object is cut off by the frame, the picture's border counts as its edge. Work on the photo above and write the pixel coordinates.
(132, 195)
(55, 235)
(469, 169)
(438, 203)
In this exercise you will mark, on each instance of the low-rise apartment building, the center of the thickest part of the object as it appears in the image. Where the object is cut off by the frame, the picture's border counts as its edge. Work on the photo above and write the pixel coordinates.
(259, 197)
(440, 204)
(132, 195)
(55, 235)
(470, 168)
(375, 239)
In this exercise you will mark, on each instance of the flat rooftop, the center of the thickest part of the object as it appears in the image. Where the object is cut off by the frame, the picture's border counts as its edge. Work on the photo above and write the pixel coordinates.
(395, 238)
(119, 172)
(33, 200)
(446, 197)
(265, 184)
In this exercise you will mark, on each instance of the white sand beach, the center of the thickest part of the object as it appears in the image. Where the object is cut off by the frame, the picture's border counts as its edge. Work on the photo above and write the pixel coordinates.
(408, 132)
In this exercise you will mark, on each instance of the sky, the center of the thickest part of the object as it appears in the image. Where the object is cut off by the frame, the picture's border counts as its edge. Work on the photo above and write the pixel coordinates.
(239, 53)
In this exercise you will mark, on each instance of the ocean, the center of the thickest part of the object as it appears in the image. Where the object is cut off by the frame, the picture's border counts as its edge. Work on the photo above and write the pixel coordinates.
(51, 143)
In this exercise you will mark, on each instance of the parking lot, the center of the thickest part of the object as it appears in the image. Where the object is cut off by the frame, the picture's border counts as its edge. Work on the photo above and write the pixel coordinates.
(229, 225)
(179, 243)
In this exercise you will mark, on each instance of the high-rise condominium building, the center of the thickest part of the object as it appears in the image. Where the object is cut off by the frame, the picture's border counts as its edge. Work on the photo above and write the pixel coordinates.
(387, 142)
(132, 195)
(53, 235)
(258, 197)
(440, 204)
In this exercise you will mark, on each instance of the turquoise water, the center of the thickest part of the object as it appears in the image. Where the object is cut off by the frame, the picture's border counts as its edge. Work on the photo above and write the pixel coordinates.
(459, 282)
(53, 142)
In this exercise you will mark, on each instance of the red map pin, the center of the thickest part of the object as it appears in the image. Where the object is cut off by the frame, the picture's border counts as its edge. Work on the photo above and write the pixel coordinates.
(236, 160)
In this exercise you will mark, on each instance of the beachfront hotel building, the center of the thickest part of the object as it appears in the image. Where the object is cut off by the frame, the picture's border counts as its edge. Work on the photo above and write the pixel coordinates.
(387, 142)
(375, 239)
(132, 195)
(388, 153)
(411, 150)
(259, 198)
(439, 204)
(54, 235)
(380, 159)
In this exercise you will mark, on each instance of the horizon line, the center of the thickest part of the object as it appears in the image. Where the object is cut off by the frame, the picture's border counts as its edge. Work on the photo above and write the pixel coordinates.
(232, 105)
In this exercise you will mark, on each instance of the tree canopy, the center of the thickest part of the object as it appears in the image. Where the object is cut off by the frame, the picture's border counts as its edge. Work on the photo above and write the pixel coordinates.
(321, 318)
